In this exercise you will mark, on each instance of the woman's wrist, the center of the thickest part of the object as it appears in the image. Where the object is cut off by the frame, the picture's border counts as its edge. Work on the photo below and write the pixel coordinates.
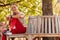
(10, 16)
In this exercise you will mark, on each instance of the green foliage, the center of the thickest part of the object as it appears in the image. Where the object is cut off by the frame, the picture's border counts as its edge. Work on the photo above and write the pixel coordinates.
(56, 7)
(29, 7)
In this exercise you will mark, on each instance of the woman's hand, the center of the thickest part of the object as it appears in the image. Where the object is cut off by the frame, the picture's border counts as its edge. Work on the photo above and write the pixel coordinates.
(21, 15)
(8, 17)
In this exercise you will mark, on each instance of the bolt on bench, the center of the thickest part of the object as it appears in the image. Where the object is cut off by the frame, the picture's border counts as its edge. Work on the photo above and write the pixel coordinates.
(40, 26)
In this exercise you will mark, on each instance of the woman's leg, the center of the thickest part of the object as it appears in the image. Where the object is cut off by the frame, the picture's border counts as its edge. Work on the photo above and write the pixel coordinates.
(13, 32)
(23, 30)
(12, 38)
(4, 37)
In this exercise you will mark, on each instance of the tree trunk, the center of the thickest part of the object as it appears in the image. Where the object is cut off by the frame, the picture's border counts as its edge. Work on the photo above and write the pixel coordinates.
(47, 7)
(47, 10)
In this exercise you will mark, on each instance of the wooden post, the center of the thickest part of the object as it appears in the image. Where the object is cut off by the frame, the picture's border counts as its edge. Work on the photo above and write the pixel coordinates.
(30, 37)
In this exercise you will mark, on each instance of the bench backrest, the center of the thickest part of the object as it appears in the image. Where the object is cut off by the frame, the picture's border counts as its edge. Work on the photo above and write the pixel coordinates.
(44, 24)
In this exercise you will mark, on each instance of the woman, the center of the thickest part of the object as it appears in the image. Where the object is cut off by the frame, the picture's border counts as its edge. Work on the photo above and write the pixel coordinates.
(15, 25)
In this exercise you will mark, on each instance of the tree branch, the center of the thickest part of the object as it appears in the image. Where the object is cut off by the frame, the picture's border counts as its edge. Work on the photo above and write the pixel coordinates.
(1, 2)
(8, 4)
(16, 2)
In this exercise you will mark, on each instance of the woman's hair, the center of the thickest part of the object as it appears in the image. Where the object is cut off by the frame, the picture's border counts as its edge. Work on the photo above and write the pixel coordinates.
(14, 4)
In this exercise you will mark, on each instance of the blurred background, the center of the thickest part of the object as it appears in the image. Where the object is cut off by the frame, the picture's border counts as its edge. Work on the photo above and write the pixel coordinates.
(28, 7)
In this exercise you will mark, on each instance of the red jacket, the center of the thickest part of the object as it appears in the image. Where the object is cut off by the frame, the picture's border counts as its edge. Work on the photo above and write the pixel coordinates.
(14, 22)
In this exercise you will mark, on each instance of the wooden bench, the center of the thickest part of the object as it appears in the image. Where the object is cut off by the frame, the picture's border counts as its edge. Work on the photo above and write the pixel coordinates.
(40, 26)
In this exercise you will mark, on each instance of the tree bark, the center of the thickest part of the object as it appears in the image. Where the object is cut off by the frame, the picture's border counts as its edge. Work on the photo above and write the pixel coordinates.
(47, 7)
(3, 5)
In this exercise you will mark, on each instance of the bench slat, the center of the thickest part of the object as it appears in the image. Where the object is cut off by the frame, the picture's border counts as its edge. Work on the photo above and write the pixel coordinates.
(39, 24)
(49, 25)
(45, 25)
(42, 25)
(35, 25)
(40, 35)
(56, 23)
(53, 28)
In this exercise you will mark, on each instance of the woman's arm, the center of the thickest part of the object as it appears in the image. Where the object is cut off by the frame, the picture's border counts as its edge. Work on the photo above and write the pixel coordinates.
(21, 15)
(8, 17)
